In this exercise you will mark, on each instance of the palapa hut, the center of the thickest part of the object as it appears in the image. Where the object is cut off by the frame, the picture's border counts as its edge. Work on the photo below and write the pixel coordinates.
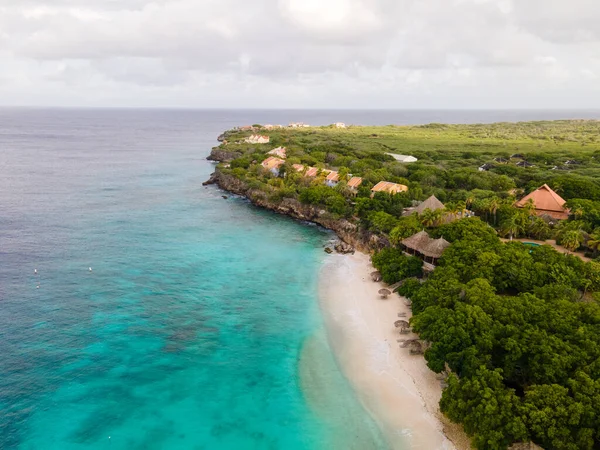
(385, 293)
(422, 245)
(546, 203)
(434, 249)
(416, 242)
(376, 276)
(403, 325)
(431, 203)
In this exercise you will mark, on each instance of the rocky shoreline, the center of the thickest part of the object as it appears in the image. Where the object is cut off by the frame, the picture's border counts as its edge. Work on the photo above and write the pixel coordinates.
(348, 232)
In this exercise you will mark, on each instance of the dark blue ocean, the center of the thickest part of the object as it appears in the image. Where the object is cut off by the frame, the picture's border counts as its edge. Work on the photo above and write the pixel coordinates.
(197, 326)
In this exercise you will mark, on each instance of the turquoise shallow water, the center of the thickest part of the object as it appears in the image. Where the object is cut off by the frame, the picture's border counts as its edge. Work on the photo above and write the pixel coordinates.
(198, 327)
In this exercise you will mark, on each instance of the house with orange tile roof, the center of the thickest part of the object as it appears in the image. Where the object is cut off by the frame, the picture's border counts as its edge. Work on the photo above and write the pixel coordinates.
(298, 167)
(280, 152)
(332, 178)
(390, 188)
(272, 164)
(354, 182)
(312, 172)
(546, 203)
(257, 139)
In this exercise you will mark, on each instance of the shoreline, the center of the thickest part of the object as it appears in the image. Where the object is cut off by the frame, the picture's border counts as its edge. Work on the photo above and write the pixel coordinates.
(398, 389)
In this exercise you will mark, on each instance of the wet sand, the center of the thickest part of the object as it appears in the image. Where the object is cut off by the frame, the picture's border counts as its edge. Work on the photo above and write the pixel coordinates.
(397, 388)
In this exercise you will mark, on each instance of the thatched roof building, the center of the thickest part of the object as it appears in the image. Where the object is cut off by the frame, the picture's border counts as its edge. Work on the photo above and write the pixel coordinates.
(435, 248)
(431, 203)
(429, 248)
(416, 241)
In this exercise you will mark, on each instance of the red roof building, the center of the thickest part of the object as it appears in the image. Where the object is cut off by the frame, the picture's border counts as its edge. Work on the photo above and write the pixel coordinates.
(546, 202)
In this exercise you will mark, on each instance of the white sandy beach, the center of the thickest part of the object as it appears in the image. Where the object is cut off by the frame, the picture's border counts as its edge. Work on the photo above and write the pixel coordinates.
(397, 388)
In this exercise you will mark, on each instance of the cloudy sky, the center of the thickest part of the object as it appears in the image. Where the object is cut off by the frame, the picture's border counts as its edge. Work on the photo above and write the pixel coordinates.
(301, 53)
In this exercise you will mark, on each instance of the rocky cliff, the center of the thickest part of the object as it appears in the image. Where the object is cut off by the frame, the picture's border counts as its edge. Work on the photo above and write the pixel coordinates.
(220, 155)
(347, 231)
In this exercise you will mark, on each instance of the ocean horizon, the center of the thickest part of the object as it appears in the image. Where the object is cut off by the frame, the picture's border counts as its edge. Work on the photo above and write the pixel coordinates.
(142, 310)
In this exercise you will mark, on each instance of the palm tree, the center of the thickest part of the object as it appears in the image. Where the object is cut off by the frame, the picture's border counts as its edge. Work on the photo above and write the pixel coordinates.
(538, 229)
(462, 207)
(451, 209)
(429, 218)
(572, 240)
(513, 226)
(493, 205)
(529, 207)
(578, 212)
(593, 242)
(469, 201)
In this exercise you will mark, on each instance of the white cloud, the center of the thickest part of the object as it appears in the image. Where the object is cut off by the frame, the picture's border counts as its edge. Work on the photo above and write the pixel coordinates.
(278, 53)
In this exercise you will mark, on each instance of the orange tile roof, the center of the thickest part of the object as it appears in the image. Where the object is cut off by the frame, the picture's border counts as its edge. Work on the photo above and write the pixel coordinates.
(298, 167)
(392, 188)
(355, 182)
(272, 163)
(333, 176)
(546, 201)
(312, 172)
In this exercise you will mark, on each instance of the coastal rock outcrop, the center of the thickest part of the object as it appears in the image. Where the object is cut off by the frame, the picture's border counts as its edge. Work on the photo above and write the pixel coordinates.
(349, 233)
(220, 155)
(343, 248)
(211, 180)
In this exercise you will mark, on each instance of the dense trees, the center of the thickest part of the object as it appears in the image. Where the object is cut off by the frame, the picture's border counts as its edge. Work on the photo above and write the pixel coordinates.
(394, 266)
(523, 350)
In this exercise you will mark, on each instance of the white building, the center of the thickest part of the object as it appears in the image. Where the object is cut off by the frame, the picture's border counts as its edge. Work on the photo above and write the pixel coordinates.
(257, 139)
(403, 158)
(339, 125)
(280, 152)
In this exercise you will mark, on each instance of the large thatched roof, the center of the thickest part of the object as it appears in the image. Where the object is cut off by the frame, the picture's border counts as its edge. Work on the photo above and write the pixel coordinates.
(422, 243)
(431, 203)
(416, 241)
(435, 248)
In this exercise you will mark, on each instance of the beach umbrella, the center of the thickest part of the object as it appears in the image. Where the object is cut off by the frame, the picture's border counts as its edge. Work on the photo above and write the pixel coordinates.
(376, 276)
(402, 324)
(384, 293)
(416, 348)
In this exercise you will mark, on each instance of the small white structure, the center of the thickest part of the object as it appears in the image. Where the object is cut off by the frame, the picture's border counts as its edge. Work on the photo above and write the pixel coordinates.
(403, 158)
(280, 152)
(298, 125)
(339, 125)
(258, 139)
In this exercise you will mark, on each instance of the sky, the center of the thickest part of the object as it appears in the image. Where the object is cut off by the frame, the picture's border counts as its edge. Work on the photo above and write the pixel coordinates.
(402, 54)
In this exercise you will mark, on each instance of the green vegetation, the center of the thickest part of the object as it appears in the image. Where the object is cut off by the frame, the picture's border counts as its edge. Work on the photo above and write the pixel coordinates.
(516, 327)
(449, 157)
(508, 320)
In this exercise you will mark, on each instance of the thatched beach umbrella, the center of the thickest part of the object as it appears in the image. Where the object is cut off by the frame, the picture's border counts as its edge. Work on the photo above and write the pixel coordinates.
(376, 276)
(402, 324)
(384, 293)
(416, 348)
